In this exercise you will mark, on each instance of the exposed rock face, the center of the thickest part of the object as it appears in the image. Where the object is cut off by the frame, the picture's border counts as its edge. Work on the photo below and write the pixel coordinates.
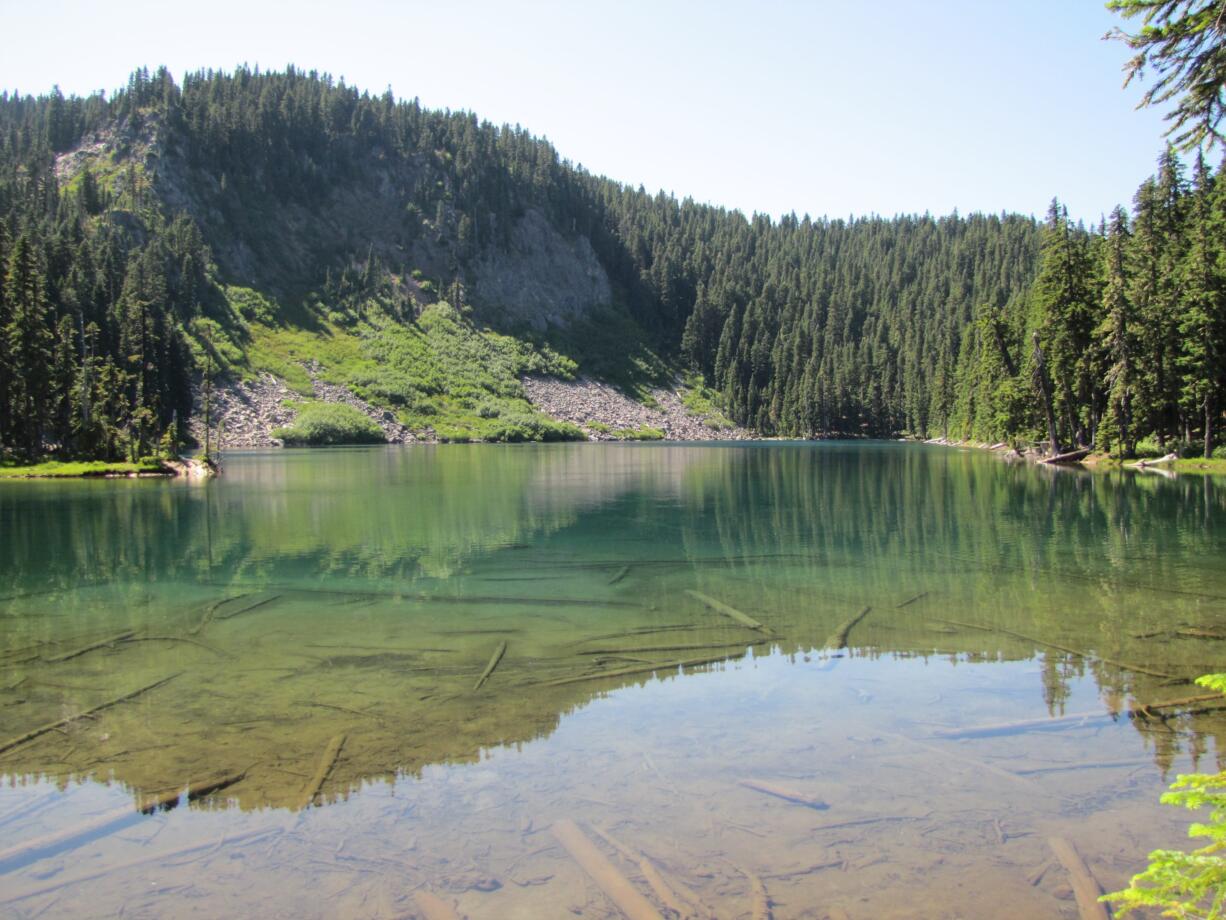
(543, 278)
(585, 402)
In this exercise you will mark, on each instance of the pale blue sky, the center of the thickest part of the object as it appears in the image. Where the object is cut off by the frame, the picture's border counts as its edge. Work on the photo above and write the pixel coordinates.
(818, 107)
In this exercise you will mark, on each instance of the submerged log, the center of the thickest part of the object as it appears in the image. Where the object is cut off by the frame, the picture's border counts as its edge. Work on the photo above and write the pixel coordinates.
(67, 720)
(619, 890)
(620, 574)
(641, 669)
(195, 790)
(664, 891)
(489, 668)
(84, 831)
(720, 607)
(1023, 725)
(81, 832)
(326, 761)
(183, 639)
(838, 638)
(783, 792)
(973, 763)
(101, 643)
(673, 893)
(642, 631)
(433, 907)
(211, 611)
(210, 844)
(247, 608)
(691, 647)
(1194, 633)
(1064, 648)
(475, 599)
(1082, 765)
(761, 899)
(1085, 888)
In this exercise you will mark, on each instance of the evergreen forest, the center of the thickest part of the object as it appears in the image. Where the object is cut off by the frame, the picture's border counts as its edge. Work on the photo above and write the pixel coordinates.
(150, 237)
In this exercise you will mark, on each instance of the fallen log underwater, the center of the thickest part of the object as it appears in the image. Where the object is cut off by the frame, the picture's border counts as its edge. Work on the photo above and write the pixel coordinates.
(489, 668)
(638, 669)
(1080, 719)
(83, 832)
(212, 843)
(67, 720)
(1085, 888)
(785, 793)
(838, 638)
(731, 612)
(326, 761)
(1064, 648)
(616, 886)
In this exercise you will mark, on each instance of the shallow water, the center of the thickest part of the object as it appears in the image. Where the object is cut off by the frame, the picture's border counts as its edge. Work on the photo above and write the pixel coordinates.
(311, 630)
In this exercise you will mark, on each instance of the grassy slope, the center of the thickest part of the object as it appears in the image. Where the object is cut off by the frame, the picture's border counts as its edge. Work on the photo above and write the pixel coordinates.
(440, 372)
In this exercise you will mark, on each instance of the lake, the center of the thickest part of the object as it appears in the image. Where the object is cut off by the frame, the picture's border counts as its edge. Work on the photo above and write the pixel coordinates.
(843, 680)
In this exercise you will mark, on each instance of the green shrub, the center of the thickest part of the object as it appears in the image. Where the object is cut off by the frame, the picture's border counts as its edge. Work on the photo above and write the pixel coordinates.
(1188, 885)
(1148, 448)
(453, 434)
(320, 424)
(642, 433)
(516, 427)
(1219, 453)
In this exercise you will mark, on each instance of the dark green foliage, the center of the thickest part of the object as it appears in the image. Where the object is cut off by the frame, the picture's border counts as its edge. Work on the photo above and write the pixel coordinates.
(111, 300)
(1184, 43)
(1202, 321)
(96, 289)
(524, 426)
(1117, 340)
(1130, 320)
(319, 424)
(1063, 299)
(803, 326)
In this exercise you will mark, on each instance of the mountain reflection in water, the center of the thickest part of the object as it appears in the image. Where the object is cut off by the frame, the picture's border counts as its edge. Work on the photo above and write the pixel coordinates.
(472, 643)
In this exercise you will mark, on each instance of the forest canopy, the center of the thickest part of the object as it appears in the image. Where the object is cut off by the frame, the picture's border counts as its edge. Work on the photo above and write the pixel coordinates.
(128, 223)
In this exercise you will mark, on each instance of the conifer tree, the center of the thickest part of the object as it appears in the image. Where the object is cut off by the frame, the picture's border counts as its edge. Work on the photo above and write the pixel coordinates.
(1202, 325)
(1064, 323)
(28, 344)
(1118, 337)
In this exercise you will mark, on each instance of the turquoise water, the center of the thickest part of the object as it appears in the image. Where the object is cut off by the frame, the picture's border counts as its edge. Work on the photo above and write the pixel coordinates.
(301, 643)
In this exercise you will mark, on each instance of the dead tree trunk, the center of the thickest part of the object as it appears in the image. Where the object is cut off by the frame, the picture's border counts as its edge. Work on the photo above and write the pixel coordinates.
(1044, 387)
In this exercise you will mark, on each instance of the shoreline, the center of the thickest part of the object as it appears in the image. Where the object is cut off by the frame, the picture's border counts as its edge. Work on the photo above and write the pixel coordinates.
(248, 411)
(182, 468)
(1167, 466)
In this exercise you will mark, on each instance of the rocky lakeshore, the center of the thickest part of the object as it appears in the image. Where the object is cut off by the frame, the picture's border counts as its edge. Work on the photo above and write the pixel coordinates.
(248, 411)
(603, 411)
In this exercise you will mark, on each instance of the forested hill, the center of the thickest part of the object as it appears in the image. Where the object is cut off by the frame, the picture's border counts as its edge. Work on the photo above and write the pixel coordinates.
(241, 221)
